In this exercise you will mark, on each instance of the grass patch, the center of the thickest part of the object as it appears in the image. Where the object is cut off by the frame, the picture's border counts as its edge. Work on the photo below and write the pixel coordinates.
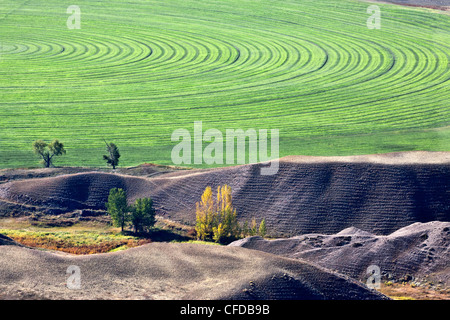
(75, 242)
(406, 291)
(88, 237)
(201, 242)
(124, 247)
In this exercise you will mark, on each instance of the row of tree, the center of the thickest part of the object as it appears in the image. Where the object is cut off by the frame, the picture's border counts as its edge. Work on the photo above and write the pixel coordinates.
(216, 219)
(140, 215)
(47, 151)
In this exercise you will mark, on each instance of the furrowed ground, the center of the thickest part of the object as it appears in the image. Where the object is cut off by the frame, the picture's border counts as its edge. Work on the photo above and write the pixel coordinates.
(137, 71)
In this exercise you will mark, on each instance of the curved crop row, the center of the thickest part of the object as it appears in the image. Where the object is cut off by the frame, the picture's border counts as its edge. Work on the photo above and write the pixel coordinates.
(133, 74)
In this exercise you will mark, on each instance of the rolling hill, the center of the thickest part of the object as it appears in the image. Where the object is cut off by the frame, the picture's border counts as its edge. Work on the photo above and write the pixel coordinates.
(419, 251)
(164, 271)
(377, 193)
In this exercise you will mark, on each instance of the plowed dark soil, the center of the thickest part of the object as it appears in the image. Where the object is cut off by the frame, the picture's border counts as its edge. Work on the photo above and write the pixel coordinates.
(378, 193)
(419, 251)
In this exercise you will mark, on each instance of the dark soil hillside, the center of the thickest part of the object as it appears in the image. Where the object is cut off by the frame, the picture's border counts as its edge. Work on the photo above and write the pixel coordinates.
(7, 241)
(378, 193)
(419, 251)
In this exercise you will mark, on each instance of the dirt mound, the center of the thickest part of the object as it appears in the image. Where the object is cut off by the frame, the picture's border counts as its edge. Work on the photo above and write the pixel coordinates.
(70, 192)
(145, 169)
(418, 250)
(171, 271)
(375, 193)
(7, 241)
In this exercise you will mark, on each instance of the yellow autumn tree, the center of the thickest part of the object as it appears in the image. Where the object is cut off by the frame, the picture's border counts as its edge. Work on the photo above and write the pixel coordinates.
(204, 215)
(217, 220)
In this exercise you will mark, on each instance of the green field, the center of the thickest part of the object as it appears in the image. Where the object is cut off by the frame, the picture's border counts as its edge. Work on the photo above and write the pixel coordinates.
(137, 70)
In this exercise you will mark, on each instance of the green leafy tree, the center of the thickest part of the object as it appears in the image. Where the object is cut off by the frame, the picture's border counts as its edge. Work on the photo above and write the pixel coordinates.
(142, 215)
(112, 158)
(117, 207)
(47, 151)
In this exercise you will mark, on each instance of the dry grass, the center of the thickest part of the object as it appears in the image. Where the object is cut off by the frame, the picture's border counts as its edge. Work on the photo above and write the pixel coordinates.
(407, 291)
(88, 237)
(74, 242)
